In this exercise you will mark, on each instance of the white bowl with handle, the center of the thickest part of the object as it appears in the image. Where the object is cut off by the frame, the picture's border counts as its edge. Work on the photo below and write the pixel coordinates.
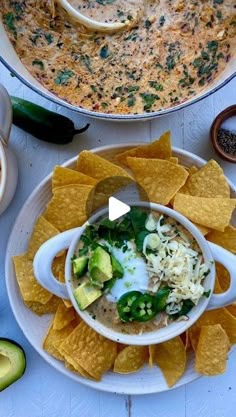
(69, 240)
(8, 164)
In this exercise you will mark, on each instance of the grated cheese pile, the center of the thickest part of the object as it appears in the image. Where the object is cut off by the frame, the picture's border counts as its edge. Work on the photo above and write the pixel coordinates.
(172, 261)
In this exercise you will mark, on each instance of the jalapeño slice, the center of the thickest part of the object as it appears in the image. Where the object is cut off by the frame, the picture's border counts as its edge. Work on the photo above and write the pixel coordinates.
(144, 308)
(124, 305)
(161, 298)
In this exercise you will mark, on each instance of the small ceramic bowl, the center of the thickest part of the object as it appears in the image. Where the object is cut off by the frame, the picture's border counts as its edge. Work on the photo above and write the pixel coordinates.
(224, 115)
(8, 163)
(69, 239)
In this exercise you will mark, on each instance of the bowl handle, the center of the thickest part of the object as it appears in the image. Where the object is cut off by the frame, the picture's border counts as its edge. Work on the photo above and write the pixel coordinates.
(227, 259)
(44, 258)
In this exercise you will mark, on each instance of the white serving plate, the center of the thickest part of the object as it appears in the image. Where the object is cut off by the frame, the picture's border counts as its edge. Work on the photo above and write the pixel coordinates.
(147, 380)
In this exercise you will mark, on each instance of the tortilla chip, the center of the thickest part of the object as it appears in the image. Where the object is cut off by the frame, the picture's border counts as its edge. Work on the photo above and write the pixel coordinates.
(212, 350)
(54, 337)
(192, 170)
(171, 358)
(203, 229)
(218, 316)
(130, 359)
(210, 212)
(151, 351)
(43, 230)
(226, 239)
(160, 148)
(185, 189)
(79, 370)
(97, 167)
(222, 284)
(65, 176)
(48, 308)
(87, 349)
(159, 178)
(194, 333)
(209, 181)
(68, 207)
(173, 159)
(63, 316)
(99, 200)
(186, 340)
(58, 267)
(223, 277)
(30, 289)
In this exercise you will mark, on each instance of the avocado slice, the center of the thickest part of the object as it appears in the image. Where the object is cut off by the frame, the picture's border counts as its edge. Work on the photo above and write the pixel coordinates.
(79, 266)
(12, 362)
(99, 266)
(86, 294)
(117, 269)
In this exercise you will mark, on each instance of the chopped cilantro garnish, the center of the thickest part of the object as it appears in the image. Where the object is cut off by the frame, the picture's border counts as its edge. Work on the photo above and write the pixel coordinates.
(63, 77)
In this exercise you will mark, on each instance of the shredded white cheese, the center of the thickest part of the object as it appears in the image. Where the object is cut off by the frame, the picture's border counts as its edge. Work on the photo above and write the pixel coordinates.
(176, 264)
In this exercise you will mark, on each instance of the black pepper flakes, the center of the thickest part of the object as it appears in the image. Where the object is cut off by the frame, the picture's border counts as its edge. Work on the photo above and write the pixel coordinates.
(227, 141)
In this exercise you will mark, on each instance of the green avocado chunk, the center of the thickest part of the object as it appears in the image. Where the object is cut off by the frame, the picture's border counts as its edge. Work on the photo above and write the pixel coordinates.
(12, 362)
(80, 266)
(99, 266)
(86, 294)
(117, 269)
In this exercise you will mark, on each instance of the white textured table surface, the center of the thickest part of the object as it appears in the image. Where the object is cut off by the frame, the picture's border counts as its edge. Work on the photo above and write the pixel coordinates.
(43, 392)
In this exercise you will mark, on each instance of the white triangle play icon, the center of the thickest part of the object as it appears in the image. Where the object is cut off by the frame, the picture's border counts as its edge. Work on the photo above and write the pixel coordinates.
(117, 208)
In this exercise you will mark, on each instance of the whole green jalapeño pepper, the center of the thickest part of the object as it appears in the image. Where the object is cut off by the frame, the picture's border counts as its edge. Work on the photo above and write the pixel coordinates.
(125, 303)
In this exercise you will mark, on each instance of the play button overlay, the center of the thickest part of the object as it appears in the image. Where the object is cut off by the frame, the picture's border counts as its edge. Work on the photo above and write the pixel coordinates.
(117, 208)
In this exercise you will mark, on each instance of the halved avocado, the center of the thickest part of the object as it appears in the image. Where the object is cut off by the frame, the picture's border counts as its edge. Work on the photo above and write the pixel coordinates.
(12, 362)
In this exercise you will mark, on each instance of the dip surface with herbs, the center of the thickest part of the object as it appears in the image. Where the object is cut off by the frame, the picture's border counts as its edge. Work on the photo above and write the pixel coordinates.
(173, 50)
(138, 273)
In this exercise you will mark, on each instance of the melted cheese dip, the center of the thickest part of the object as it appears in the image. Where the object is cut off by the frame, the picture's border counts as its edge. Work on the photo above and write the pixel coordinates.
(174, 50)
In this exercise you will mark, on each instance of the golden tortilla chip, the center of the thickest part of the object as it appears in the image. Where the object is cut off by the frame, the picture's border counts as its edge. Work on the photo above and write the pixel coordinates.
(87, 349)
(79, 370)
(222, 284)
(185, 189)
(171, 358)
(43, 230)
(110, 177)
(99, 200)
(30, 289)
(203, 229)
(194, 333)
(209, 181)
(54, 338)
(160, 148)
(58, 267)
(226, 239)
(186, 340)
(210, 212)
(212, 350)
(63, 316)
(219, 316)
(130, 359)
(48, 308)
(65, 176)
(61, 278)
(68, 207)
(173, 159)
(151, 351)
(223, 277)
(97, 167)
(159, 178)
